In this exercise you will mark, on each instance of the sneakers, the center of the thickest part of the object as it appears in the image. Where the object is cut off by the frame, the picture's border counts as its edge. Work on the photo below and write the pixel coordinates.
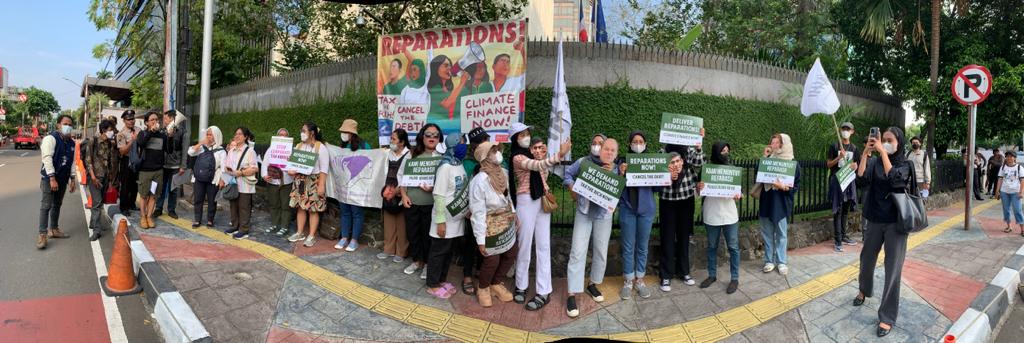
(341, 244)
(666, 285)
(627, 290)
(783, 269)
(733, 286)
(231, 231)
(270, 229)
(172, 215)
(595, 293)
(383, 256)
(310, 241)
(768, 267)
(411, 269)
(397, 259)
(283, 231)
(296, 237)
(839, 248)
(708, 282)
(352, 246)
(423, 273)
(689, 280)
(641, 289)
(849, 241)
(240, 235)
(570, 307)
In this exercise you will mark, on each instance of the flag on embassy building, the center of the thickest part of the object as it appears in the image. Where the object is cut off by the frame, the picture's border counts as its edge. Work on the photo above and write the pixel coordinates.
(561, 118)
(582, 25)
(597, 17)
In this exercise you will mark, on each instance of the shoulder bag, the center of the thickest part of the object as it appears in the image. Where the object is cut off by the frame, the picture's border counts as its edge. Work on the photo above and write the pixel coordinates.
(230, 191)
(912, 216)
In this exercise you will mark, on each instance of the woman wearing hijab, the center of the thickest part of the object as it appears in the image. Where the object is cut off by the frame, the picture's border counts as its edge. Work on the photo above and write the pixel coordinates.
(776, 207)
(636, 216)
(418, 202)
(530, 184)
(446, 225)
(206, 174)
(445, 96)
(721, 217)
(489, 195)
(885, 174)
(415, 91)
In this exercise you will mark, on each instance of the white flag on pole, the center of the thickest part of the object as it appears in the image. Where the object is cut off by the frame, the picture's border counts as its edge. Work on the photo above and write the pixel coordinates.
(819, 96)
(561, 118)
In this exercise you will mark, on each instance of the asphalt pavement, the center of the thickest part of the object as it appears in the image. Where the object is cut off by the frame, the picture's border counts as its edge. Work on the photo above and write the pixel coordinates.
(52, 294)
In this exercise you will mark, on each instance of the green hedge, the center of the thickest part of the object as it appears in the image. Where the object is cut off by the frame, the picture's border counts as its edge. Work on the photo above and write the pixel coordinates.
(614, 110)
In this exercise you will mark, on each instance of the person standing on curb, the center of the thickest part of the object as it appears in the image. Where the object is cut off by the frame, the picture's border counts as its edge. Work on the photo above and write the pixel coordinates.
(995, 164)
(446, 224)
(469, 253)
(174, 162)
(776, 201)
(419, 201)
(493, 213)
(58, 157)
(309, 192)
(395, 242)
(351, 215)
(843, 201)
(152, 143)
(129, 178)
(1011, 190)
(922, 166)
(721, 218)
(206, 175)
(101, 161)
(241, 167)
(279, 185)
(678, 203)
(636, 217)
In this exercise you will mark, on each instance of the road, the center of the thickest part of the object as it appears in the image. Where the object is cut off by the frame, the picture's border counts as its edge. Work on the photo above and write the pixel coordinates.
(52, 295)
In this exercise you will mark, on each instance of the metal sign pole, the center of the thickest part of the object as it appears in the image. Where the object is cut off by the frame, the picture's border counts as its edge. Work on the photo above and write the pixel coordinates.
(969, 190)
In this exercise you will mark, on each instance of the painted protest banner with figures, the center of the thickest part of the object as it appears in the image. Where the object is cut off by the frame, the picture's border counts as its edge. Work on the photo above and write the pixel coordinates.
(647, 170)
(419, 171)
(600, 186)
(721, 181)
(771, 169)
(680, 129)
(356, 177)
(459, 78)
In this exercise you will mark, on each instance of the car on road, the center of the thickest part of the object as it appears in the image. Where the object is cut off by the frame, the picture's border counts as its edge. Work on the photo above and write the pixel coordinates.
(27, 137)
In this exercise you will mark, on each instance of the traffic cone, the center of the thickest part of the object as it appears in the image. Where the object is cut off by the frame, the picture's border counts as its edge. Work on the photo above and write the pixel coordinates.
(120, 279)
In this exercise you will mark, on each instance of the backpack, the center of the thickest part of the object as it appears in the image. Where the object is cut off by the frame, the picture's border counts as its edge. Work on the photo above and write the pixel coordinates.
(135, 156)
(206, 165)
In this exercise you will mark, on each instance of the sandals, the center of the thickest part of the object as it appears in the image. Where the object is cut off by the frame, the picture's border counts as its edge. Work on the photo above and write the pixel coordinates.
(468, 288)
(1007, 230)
(519, 296)
(538, 302)
(444, 292)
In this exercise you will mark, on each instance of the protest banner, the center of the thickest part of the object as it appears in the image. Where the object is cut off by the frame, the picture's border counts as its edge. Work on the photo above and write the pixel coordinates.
(680, 129)
(845, 175)
(460, 203)
(302, 162)
(500, 239)
(419, 171)
(721, 181)
(771, 169)
(600, 186)
(484, 87)
(647, 170)
(279, 151)
(356, 177)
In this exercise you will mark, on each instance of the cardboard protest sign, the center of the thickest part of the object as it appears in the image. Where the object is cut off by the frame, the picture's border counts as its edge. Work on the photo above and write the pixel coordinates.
(680, 129)
(647, 170)
(419, 171)
(771, 169)
(846, 175)
(302, 162)
(460, 203)
(721, 181)
(598, 185)
(279, 151)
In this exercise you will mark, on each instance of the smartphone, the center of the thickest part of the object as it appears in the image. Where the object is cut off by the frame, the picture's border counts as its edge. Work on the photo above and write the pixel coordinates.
(874, 132)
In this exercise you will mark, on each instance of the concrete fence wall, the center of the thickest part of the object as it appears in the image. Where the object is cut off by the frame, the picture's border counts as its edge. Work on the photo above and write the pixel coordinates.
(586, 64)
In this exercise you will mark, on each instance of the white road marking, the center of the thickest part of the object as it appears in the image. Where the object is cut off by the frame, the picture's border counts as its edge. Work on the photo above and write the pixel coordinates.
(24, 154)
(113, 315)
(1, 165)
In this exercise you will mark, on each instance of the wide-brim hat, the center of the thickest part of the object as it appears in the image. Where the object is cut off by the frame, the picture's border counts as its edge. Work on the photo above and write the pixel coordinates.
(482, 150)
(349, 126)
(517, 128)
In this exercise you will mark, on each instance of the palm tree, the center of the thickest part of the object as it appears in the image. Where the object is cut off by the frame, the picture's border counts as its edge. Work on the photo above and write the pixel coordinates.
(104, 74)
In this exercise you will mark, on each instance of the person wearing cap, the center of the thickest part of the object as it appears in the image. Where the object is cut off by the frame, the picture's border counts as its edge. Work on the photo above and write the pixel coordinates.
(419, 201)
(129, 187)
(469, 254)
(351, 215)
(843, 201)
(447, 222)
(636, 216)
(490, 204)
(592, 226)
(530, 165)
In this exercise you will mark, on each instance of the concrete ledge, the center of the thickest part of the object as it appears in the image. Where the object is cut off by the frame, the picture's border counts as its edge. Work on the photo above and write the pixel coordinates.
(177, 321)
(991, 307)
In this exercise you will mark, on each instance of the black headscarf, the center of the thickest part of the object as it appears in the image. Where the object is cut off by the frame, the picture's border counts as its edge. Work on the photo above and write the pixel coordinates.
(634, 192)
(536, 182)
(716, 153)
(901, 151)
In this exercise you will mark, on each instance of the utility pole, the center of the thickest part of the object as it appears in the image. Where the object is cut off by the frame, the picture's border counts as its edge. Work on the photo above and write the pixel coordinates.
(170, 55)
(204, 82)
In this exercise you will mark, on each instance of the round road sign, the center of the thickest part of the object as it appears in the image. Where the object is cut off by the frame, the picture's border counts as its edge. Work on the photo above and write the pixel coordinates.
(23, 97)
(972, 85)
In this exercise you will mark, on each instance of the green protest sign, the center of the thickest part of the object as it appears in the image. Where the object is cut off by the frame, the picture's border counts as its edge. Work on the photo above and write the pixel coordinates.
(647, 170)
(680, 129)
(845, 175)
(598, 185)
(770, 170)
(302, 162)
(419, 171)
(460, 202)
(721, 181)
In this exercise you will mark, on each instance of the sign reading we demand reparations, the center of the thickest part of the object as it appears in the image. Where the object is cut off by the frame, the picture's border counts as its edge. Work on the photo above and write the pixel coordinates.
(770, 170)
(459, 78)
(598, 185)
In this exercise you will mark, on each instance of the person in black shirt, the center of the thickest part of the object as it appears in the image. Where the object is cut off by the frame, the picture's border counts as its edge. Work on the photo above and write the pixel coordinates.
(887, 173)
(843, 201)
(153, 143)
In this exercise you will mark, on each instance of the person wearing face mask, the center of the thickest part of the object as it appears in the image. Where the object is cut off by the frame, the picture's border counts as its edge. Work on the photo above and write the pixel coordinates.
(129, 187)
(469, 255)
(351, 215)
(174, 161)
(446, 227)
(636, 216)
(279, 184)
(592, 227)
(419, 201)
(395, 242)
(885, 174)
(922, 166)
(206, 174)
(843, 202)
(489, 196)
(1011, 189)
(309, 192)
(58, 156)
(153, 142)
(721, 218)
(776, 206)
(530, 166)
(101, 163)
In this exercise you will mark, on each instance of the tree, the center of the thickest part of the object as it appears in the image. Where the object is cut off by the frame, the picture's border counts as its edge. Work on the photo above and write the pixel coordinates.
(40, 103)
(662, 24)
(104, 74)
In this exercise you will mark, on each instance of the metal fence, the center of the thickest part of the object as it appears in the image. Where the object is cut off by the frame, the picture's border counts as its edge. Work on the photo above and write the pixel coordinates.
(948, 175)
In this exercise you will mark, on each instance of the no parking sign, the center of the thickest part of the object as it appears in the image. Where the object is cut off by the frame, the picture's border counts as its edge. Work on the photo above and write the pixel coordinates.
(972, 85)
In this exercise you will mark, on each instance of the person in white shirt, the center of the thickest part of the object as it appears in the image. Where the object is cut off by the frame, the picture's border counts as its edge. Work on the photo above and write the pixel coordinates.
(206, 174)
(279, 185)
(241, 167)
(1011, 190)
(494, 224)
(721, 217)
(922, 166)
(448, 215)
(309, 192)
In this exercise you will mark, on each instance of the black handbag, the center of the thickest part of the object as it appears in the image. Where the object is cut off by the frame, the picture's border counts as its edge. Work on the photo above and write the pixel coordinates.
(911, 214)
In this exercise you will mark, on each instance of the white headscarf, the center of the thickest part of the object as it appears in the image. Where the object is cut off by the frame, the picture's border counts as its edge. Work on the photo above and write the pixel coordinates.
(786, 152)
(218, 137)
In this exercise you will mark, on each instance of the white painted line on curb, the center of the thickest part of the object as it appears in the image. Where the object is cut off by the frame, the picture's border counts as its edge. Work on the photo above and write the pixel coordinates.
(24, 154)
(113, 315)
(1, 165)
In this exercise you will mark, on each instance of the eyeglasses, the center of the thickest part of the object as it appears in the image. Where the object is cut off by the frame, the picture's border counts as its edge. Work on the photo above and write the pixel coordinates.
(431, 134)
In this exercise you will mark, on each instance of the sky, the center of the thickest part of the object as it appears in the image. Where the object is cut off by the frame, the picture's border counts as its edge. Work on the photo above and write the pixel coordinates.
(45, 41)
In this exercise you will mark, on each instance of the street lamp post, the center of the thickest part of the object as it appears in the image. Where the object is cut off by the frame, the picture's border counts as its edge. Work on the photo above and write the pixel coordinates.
(85, 108)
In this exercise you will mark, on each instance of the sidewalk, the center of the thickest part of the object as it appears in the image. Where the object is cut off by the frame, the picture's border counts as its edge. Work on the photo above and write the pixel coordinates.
(266, 289)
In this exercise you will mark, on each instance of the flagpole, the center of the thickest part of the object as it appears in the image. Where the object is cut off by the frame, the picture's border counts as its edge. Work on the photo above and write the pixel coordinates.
(840, 137)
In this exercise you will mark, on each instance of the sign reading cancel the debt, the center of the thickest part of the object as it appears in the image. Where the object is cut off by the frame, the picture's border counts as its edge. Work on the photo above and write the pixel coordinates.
(600, 186)
(680, 129)
(647, 170)
(770, 170)
(419, 171)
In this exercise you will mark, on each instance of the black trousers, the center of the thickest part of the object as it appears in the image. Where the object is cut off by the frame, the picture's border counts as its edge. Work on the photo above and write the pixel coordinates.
(877, 236)
(469, 253)
(204, 192)
(441, 251)
(676, 228)
(129, 187)
(839, 221)
(417, 231)
(993, 177)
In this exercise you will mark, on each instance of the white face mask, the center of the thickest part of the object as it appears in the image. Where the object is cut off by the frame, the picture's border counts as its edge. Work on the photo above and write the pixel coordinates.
(345, 136)
(109, 134)
(638, 148)
(595, 149)
(889, 148)
(396, 147)
(65, 129)
(846, 134)
(498, 158)
(524, 141)
(304, 136)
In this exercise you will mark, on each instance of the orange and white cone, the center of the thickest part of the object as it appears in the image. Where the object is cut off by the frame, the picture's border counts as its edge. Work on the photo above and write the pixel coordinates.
(120, 279)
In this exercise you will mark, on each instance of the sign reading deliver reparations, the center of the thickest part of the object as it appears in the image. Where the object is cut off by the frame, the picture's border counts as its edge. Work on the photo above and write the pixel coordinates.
(419, 171)
(302, 162)
(845, 175)
(647, 170)
(771, 169)
(680, 129)
(599, 186)
(721, 181)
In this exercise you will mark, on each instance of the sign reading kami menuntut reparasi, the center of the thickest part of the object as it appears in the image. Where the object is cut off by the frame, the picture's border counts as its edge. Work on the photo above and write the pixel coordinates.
(770, 170)
(721, 181)
(419, 171)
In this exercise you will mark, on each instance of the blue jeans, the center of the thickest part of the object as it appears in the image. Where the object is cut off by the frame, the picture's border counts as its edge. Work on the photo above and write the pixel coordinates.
(171, 195)
(774, 236)
(635, 235)
(351, 221)
(732, 242)
(1011, 202)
